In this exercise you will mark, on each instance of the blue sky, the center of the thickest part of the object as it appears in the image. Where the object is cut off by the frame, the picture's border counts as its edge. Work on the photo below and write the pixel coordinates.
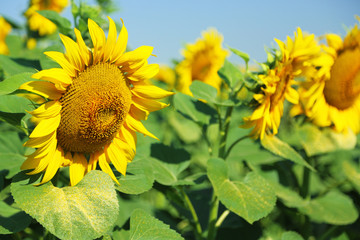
(246, 25)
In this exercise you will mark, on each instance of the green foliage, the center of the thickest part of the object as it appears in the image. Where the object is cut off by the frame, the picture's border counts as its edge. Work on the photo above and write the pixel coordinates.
(85, 211)
(12, 83)
(252, 199)
(278, 147)
(143, 226)
(334, 208)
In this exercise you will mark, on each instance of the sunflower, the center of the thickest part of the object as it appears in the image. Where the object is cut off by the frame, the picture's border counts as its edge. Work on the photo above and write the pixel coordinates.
(96, 102)
(202, 61)
(333, 97)
(5, 28)
(166, 75)
(297, 58)
(39, 23)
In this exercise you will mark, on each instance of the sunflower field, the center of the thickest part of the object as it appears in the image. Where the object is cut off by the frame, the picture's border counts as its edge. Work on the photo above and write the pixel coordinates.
(98, 141)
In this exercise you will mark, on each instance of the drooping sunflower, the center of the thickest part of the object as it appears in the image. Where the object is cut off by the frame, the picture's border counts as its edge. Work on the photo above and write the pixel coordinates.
(333, 98)
(39, 23)
(202, 61)
(296, 60)
(5, 29)
(96, 102)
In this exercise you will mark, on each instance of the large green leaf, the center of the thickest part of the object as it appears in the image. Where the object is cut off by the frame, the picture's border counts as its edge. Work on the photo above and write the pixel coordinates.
(11, 153)
(12, 83)
(352, 173)
(280, 148)
(46, 62)
(139, 177)
(85, 211)
(15, 104)
(316, 141)
(193, 109)
(168, 163)
(251, 199)
(11, 67)
(334, 208)
(230, 74)
(12, 220)
(143, 226)
(208, 93)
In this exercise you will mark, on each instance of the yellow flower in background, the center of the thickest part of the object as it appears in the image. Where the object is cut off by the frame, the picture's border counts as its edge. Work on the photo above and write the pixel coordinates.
(202, 61)
(5, 29)
(96, 102)
(39, 23)
(333, 98)
(166, 75)
(297, 60)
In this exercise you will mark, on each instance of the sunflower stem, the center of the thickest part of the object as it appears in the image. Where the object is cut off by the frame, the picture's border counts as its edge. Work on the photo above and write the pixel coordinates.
(233, 145)
(197, 229)
(214, 207)
(304, 191)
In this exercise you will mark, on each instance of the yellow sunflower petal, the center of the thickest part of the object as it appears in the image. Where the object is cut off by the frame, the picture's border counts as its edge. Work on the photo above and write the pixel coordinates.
(45, 89)
(105, 167)
(46, 127)
(61, 59)
(72, 52)
(128, 136)
(54, 75)
(135, 56)
(145, 72)
(116, 156)
(138, 112)
(77, 169)
(53, 165)
(121, 44)
(47, 110)
(44, 161)
(148, 104)
(40, 141)
(94, 157)
(137, 126)
(85, 53)
(98, 39)
(149, 91)
(111, 40)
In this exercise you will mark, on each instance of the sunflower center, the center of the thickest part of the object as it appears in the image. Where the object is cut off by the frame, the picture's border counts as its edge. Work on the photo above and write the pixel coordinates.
(343, 87)
(93, 109)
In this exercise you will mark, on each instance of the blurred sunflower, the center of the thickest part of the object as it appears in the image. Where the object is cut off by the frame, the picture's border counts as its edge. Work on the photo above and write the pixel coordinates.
(39, 23)
(202, 61)
(5, 29)
(277, 84)
(166, 75)
(96, 102)
(333, 97)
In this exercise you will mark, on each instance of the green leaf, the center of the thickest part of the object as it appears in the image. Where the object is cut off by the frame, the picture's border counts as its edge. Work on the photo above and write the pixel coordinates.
(11, 67)
(143, 226)
(243, 55)
(280, 148)
(334, 208)
(46, 62)
(187, 130)
(352, 173)
(203, 91)
(14, 119)
(12, 83)
(251, 199)
(12, 220)
(139, 177)
(15, 104)
(230, 74)
(193, 109)
(316, 141)
(62, 23)
(168, 164)
(290, 235)
(85, 211)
